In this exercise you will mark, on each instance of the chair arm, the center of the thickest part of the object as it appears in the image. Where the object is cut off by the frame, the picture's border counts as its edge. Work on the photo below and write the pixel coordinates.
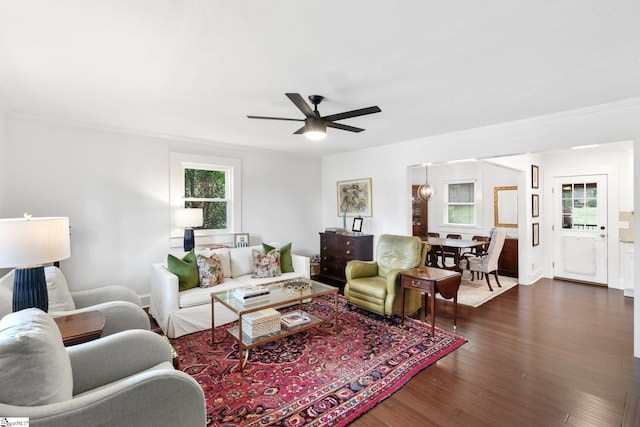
(164, 295)
(393, 283)
(118, 316)
(356, 269)
(155, 398)
(104, 294)
(117, 356)
(301, 264)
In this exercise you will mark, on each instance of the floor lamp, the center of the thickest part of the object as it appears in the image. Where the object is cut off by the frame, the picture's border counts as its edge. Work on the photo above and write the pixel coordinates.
(27, 243)
(189, 218)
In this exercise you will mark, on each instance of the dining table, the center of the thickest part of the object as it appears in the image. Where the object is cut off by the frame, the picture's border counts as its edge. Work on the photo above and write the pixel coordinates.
(455, 246)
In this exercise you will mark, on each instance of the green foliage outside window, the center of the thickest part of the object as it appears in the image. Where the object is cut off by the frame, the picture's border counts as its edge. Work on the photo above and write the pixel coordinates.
(206, 189)
(461, 204)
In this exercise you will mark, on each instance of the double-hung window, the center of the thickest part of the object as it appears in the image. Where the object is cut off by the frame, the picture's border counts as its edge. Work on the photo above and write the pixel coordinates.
(461, 203)
(210, 183)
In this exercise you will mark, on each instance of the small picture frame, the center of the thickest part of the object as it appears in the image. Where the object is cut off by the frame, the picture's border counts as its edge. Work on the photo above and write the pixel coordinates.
(357, 224)
(535, 205)
(241, 240)
(535, 177)
(536, 233)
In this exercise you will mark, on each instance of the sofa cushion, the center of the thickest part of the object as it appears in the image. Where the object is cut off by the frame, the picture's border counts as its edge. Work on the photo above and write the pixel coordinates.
(266, 265)
(199, 296)
(242, 260)
(286, 265)
(209, 270)
(57, 290)
(185, 268)
(35, 366)
(225, 260)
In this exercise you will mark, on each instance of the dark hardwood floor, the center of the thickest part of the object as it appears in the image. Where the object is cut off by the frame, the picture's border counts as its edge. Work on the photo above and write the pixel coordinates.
(550, 354)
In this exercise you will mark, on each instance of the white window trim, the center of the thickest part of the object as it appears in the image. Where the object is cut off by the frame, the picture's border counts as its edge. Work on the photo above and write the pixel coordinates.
(178, 163)
(476, 198)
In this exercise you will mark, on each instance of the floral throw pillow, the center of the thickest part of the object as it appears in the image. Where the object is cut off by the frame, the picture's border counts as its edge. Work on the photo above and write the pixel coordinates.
(210, 270)
(266, 265)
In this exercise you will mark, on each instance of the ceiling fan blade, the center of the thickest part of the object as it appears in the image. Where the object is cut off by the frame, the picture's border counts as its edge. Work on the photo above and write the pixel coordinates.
(275, 118)
(344, 127)
(353, 113)
(300, 131)
(301, 104)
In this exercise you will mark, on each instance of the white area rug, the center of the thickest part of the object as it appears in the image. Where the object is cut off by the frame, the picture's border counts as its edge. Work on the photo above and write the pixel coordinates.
(475, 293)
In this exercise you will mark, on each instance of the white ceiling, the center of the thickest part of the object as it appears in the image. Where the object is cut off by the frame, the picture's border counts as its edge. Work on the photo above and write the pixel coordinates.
(196, 68)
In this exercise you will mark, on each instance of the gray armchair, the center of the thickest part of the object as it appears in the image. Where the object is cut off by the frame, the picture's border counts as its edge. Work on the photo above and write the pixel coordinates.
(120, 305)
(375, 285)
(125, 379)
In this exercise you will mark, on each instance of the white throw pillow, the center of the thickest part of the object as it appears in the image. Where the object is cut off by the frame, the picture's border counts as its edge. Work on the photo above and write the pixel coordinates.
(225, 260)
(58, 291)
(35, 366)
(242, 260)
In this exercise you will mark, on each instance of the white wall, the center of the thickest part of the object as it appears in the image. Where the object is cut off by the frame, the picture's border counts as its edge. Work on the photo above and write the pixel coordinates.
(3, 129)
(114, 187)
(387, 166)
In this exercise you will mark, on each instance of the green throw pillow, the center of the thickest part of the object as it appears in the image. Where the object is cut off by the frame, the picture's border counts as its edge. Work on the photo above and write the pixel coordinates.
(286, 265)
(186, 269)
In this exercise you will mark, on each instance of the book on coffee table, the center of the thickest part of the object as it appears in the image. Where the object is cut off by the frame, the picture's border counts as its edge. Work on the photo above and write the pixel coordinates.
(250, 292)
(295, 318)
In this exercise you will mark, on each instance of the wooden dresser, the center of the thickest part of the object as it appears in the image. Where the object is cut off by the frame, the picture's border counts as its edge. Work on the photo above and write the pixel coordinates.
(336, 249)
(508, 261)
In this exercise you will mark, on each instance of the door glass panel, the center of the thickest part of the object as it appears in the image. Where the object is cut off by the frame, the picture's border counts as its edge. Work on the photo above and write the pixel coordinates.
(580, 206)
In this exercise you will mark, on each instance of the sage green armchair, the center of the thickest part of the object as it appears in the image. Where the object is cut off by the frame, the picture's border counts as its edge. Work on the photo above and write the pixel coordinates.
(375, 285)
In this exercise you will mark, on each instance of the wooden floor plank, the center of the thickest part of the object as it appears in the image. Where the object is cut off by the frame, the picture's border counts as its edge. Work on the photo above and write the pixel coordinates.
(553, 353)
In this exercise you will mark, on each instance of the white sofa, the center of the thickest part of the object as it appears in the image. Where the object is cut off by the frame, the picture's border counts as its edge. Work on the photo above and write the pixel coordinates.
(184, 312)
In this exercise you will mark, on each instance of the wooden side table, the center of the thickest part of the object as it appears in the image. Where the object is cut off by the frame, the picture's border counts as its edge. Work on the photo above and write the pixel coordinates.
(431, 280)
(80, 327)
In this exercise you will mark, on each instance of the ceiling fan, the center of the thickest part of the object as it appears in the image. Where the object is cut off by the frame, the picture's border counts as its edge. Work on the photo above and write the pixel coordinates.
(315, 125)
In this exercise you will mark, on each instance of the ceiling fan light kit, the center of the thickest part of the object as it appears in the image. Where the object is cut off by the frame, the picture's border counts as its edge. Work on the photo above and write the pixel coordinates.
(315, 129)
(315, 125)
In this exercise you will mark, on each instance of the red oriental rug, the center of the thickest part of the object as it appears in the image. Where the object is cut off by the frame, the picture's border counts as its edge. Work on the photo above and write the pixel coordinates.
(312, 378)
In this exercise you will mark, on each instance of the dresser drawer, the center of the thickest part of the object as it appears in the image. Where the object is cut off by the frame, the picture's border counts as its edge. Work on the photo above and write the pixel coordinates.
(336, 250)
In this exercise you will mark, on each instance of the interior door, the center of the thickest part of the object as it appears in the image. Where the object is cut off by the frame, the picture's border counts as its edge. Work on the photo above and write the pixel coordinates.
(580, 228)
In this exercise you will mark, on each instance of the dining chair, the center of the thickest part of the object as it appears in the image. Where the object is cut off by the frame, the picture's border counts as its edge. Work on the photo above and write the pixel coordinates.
(448, 254)
(487, 263)
(430, 234)
(477, 251)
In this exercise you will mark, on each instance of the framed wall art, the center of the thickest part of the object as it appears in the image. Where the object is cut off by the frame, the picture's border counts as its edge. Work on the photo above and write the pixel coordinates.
(241, 240)
(354, 197)
(535, 176)
(536, 233)
(535, 205)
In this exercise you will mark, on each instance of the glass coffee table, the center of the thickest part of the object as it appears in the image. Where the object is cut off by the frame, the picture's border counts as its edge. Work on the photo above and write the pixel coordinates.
(281, 295)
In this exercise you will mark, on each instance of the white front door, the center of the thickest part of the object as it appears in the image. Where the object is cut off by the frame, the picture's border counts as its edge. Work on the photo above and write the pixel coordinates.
(580, 228)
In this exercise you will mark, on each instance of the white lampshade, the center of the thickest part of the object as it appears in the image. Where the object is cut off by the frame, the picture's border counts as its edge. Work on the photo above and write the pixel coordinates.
(189, 217)
(34, 241)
